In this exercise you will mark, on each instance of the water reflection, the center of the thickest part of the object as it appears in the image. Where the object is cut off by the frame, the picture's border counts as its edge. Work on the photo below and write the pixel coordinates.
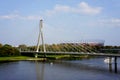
(93, 66)
(116, 71)
(110, 67)
(112, 62)
(92, 69)
(39, 70)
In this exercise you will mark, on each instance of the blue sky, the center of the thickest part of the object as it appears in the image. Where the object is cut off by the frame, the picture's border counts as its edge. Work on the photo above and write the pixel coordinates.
(63, 21)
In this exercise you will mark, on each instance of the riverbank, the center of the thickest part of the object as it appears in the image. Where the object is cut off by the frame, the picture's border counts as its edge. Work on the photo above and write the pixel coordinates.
(19, 58)
(41, 58)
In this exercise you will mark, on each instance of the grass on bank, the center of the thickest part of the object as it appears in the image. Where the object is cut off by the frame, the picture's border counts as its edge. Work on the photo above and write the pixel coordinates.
(41, 58)
(19, 58)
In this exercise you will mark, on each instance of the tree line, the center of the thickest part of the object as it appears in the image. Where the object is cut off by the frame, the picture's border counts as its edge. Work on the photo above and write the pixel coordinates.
(7, 50)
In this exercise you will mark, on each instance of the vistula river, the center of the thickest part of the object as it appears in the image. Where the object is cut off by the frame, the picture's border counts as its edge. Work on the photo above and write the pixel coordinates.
(86, 69)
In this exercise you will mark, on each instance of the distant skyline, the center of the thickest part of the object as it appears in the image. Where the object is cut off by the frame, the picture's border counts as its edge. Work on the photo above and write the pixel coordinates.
(63, 21)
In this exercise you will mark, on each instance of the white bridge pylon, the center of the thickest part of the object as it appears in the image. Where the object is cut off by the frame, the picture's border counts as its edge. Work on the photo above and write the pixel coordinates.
(40, 37)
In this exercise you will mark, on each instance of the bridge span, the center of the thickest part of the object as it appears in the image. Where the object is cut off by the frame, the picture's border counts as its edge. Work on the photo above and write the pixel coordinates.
(72, 53)
(78, 54)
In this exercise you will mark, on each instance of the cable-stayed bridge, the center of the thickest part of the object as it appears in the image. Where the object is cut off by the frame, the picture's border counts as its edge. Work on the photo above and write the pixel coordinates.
(45, 53)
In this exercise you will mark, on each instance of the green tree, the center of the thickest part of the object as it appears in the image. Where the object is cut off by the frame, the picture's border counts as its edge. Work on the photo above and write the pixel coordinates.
(8, 50)
(0, 45)
(22, 47)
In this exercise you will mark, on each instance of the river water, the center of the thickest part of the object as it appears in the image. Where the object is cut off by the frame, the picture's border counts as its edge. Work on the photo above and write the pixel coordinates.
(87, 69)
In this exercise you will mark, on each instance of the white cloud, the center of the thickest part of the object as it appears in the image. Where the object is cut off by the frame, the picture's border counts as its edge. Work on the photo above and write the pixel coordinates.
(16, 16)
(62, 8)
(31, 17)
(111, 22)
(9, 16)
(114, 22)
(58, 8)
(86, 9)
(82, 8)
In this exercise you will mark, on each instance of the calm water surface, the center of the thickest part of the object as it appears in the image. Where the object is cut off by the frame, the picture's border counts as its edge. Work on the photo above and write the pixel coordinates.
(92, 69)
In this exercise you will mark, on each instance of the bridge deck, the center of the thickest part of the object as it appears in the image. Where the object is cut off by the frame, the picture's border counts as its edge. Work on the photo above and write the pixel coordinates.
(72, 53)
